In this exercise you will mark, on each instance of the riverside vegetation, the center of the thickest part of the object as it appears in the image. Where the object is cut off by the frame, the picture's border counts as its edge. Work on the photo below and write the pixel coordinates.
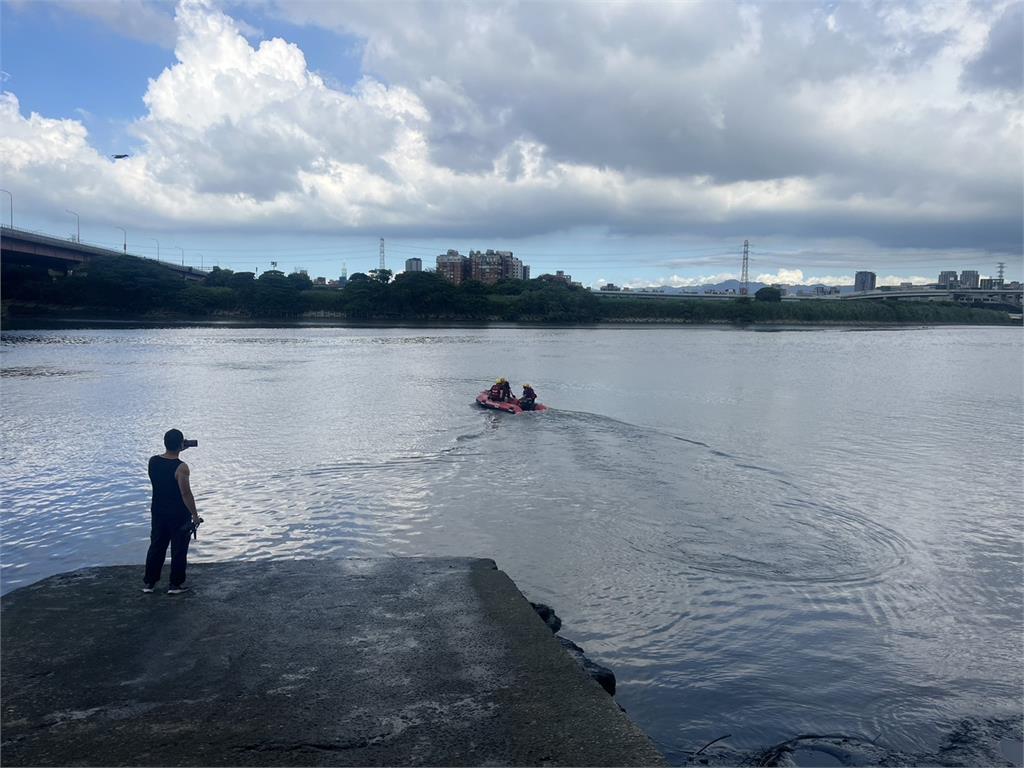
(129, 288)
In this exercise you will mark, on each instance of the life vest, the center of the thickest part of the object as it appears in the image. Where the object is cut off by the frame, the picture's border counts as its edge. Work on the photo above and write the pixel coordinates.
(494, 393)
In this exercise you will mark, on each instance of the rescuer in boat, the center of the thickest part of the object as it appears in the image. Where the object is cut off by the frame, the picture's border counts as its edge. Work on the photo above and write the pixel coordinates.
(529, 398)
(501, 392)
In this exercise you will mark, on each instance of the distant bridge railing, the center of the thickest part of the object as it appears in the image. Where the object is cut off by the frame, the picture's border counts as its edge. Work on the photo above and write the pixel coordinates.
(26, 241)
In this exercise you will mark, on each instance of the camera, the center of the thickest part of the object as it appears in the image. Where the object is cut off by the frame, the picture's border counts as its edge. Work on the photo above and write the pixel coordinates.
(189, 444)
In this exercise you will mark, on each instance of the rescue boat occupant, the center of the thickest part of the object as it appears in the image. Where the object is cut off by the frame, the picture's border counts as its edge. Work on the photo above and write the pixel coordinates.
(504, 391)
(529, 398)
(495, 392)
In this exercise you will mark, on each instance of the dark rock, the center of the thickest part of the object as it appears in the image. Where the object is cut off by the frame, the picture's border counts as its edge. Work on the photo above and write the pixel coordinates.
(547, 613)
(604, 676)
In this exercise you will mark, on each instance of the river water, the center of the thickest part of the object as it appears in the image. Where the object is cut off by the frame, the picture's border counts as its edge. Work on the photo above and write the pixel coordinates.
(764, 534)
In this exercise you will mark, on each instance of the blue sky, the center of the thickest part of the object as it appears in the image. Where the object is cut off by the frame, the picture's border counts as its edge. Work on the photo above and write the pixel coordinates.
(636, 144)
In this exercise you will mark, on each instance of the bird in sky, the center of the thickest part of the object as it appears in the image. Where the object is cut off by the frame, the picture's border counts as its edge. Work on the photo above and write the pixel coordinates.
(119, 157)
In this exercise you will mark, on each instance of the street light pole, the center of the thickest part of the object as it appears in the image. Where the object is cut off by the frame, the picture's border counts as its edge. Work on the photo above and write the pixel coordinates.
(201, 261)
(78, 225)
(125, 238)
(12, 206)
(157, 247)
(182, 254)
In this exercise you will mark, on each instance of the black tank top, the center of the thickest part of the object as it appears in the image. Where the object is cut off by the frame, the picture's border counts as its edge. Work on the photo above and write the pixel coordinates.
(167, 501)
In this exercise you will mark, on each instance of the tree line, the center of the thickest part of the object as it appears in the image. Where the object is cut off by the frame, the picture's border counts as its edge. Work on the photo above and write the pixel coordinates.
(132, 288)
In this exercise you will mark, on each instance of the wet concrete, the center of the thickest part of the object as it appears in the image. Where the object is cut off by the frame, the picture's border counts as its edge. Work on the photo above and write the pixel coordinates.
(341, 662)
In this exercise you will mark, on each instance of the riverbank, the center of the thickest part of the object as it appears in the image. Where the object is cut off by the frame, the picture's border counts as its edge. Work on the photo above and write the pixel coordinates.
(396, 661)
(65, 321)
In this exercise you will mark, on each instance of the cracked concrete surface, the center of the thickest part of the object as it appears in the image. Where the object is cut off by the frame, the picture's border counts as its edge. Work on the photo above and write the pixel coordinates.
(398, 661)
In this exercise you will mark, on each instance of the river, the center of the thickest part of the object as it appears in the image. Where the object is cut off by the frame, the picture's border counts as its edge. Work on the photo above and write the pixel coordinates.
(763, 534)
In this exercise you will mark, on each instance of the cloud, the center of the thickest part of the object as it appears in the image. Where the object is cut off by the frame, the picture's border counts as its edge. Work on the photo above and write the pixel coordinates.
(679, 281)
(716, 120)
(1000, 64)
(135, 19)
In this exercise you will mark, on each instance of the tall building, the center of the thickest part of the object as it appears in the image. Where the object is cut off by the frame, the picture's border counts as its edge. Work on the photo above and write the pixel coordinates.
(487, 267)
(414, 265)
(864, 281)
(490, 266)
(949, 279)
(453, 267)
(969, 278)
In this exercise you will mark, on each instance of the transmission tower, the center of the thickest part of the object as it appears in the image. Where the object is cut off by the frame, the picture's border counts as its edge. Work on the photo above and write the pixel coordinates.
(744, 278)
(344, 270)
(382, 253)
(1002, 266)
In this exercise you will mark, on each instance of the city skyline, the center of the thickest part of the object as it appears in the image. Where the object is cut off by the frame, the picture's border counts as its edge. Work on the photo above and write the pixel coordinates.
(642, 149)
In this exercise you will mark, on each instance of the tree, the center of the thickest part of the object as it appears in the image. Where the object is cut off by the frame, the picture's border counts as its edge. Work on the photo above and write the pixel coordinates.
(300, 281)
(768, 294)
(218, 278)
(382, 276)
(421, 294)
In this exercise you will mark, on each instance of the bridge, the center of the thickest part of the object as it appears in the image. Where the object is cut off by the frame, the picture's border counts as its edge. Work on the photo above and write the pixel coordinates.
(21, 246)
(998, 296)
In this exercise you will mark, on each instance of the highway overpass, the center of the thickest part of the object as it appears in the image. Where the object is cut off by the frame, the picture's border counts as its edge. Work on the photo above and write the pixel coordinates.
(1000, 296)
(20, 246)
(997, 297)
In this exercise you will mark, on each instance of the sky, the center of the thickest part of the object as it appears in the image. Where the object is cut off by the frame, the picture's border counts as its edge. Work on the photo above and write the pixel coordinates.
(633, 143)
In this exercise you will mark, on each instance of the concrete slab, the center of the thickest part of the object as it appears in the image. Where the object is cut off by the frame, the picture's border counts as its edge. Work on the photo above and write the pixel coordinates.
(306, 662)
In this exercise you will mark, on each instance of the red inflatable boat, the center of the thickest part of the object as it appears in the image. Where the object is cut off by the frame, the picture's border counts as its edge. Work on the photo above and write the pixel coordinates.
(512, 407)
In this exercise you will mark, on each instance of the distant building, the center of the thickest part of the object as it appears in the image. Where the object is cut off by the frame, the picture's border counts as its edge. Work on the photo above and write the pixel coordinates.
(609, 287)
(906, 286)
(320, 281)
(453, 267)
(949, 279)
(864, 281)
(969, 279)
(989, 283)
(414, 265)
(487, 267)
(832, 290)
(559, 277)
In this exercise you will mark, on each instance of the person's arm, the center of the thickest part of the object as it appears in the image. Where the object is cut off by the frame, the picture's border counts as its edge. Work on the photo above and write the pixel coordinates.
(186, 490)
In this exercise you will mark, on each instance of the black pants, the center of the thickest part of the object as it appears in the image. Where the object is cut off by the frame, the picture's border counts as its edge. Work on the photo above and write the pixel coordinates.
(176, 532)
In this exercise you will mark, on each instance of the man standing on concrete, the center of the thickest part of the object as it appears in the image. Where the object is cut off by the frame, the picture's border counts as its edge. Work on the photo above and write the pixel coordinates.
(172, 505)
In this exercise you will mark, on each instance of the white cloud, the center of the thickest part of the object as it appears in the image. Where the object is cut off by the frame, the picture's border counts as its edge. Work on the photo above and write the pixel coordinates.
(679, 281)
(709, 119)
(787, 276)
(897, 279)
